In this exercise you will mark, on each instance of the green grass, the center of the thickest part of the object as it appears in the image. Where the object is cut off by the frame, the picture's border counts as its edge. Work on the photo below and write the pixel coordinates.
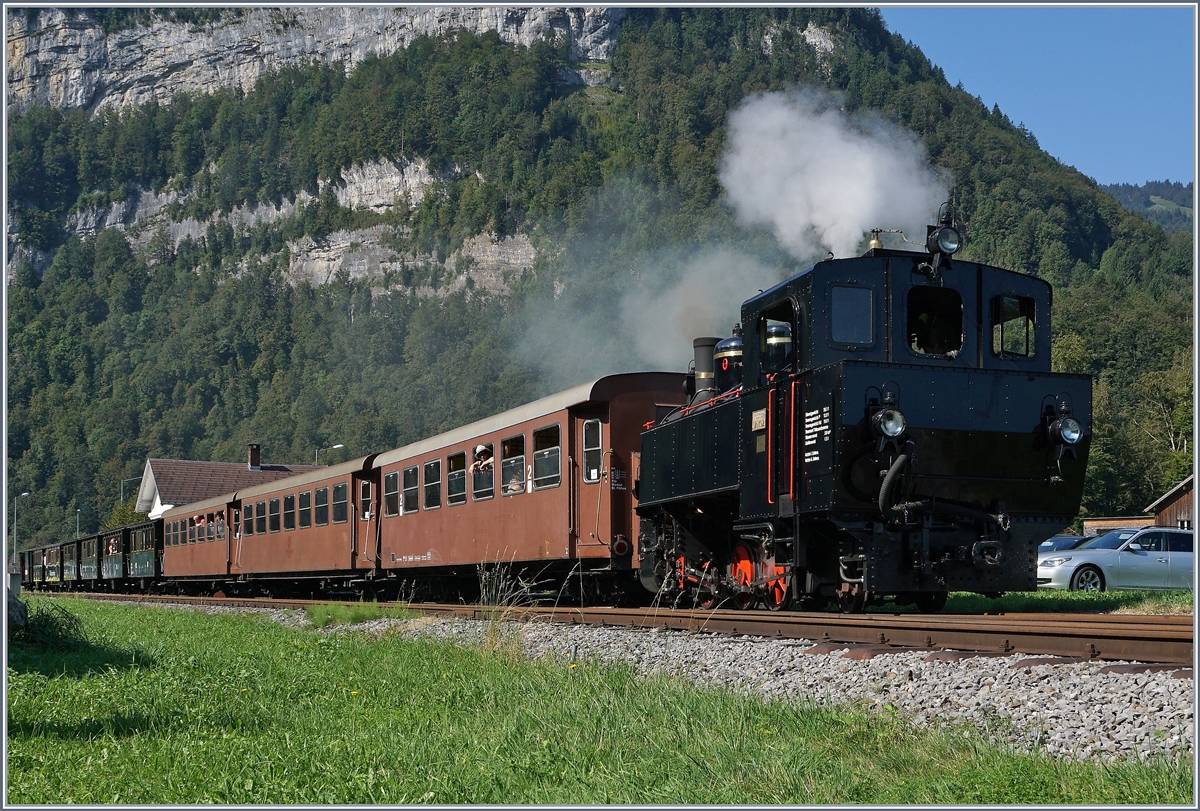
(170, 706)
(350, 613)
(1056, 601)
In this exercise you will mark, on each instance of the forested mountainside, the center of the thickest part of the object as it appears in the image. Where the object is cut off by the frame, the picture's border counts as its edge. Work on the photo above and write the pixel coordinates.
(371, 254)
(1160, 201)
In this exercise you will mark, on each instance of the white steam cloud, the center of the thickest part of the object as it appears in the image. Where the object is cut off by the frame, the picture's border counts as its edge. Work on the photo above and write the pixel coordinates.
(821, 178)
(705, 299)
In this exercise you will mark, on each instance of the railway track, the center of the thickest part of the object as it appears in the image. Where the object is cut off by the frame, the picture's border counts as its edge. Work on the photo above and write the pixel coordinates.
(1153, 639)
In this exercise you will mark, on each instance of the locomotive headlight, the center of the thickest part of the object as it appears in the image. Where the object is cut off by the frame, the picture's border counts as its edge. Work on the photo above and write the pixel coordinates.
(944, 240)
(889, 422)
(1066, 430)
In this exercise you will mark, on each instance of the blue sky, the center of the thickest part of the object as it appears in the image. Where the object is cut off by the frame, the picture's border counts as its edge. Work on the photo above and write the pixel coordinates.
(1110, 91)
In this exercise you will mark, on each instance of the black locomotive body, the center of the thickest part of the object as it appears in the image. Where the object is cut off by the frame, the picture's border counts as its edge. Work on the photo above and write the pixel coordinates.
(893, 430)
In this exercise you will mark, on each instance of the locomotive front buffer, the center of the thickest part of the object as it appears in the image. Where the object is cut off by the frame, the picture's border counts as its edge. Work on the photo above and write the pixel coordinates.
(884, 427)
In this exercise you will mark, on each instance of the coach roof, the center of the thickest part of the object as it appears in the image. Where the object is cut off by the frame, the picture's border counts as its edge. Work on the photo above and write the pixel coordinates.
(598, 390)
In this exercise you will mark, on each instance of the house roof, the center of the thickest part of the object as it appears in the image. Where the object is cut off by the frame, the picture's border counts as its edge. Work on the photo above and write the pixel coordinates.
(184, 481)
(1170, 495)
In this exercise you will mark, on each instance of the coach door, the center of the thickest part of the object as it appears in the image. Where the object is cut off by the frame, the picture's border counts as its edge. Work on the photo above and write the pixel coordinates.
(591, 519)
(366, 522)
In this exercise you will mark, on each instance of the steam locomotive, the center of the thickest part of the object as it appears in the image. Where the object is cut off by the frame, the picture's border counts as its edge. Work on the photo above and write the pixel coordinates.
(884, 427)
(878, 427)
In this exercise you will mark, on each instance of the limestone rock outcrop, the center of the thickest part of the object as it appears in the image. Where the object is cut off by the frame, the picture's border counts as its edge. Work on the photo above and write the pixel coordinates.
(65, 59)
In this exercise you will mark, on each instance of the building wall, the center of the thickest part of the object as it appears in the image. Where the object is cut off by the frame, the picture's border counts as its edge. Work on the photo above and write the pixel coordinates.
(1107, 523)
(1176, 513)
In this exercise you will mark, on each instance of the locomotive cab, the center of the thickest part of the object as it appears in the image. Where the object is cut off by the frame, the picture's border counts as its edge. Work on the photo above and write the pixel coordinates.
(898, 433)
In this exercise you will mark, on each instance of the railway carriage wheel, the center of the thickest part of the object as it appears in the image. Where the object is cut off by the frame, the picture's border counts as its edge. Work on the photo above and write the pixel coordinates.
(741, 571)
(779, 592)
(852, 599)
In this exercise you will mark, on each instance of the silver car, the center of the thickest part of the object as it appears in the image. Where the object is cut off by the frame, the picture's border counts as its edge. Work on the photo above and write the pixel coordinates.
(1150, 558)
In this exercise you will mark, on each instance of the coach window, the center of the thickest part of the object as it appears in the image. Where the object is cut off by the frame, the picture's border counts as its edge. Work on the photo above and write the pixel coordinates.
(456, 478)
(248, 518)
(339, 503)
(273, 515)
(364, 500)
(289, 512)
(305, 510)
(191, 530)
(237, 523)
(211, 527)
(546, 468)
(433, 484)
(260, 517)
(851, 315)
(483, 474)
(220, 524)
(935, 321)
(322, 507)
(1012, 326)
(180, 533)
(593, 453)
(391, 494)
(512, 465)
(411, 489)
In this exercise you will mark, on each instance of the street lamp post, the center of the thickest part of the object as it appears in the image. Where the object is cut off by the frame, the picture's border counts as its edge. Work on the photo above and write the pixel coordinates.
(15, 519)
(130, 479)
(77, 524)
(14, 578)
(317, 453)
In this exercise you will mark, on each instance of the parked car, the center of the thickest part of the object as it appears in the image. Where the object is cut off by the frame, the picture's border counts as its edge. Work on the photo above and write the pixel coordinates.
(1064, 541)
(1150, 558)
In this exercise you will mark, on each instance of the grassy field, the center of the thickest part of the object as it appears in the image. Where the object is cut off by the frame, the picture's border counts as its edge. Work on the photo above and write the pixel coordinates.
(172, 706)
(1063, 602)
(349, 613)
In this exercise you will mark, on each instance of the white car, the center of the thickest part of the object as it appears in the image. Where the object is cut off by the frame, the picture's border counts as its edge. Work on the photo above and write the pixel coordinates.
(1150, 558)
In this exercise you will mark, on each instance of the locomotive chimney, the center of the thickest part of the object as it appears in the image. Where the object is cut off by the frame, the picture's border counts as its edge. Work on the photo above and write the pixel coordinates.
(254, 462)
(706, 386)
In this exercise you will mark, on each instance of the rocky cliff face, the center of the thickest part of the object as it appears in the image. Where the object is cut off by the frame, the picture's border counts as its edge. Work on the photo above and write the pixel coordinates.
(66, 60)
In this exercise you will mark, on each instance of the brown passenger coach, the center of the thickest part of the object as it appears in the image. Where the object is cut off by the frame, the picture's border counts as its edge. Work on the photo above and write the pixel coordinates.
(555, 498)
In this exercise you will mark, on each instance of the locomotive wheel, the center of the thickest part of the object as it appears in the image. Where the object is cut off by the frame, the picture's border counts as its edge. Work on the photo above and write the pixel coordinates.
(741, 572)
(779, 592)
(851, 598)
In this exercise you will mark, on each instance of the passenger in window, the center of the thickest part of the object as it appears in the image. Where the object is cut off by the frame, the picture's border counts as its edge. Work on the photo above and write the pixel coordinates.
(515, 485)
(483, 459)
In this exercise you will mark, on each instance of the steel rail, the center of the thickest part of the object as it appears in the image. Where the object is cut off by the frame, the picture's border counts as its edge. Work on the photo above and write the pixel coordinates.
(1108, 637)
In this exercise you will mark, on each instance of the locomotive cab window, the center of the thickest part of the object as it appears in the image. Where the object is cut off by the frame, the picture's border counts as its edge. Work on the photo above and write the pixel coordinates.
(851, 315)
(776, 347)
(512, 465)
(546, 468)
(1012, 326)
(391, 494)
(433, 484)
(935, 321)
(456, 478)
(483, 474)
(593, 451)
(411, 489)
(340, 492)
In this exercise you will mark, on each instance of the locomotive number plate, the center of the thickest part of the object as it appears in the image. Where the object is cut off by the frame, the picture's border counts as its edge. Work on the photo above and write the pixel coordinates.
(758, 420)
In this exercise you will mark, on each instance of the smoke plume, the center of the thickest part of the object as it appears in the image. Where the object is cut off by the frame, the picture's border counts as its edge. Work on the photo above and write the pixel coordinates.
(820, 177)
(624, 299)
